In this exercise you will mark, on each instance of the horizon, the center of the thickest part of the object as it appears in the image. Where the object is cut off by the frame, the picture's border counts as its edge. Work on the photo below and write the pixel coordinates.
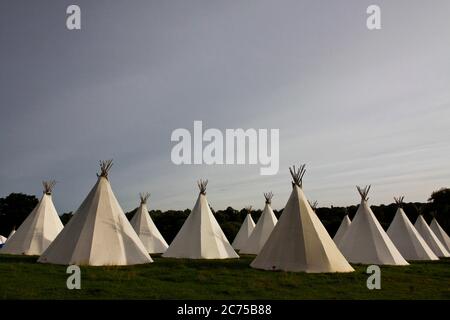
(357, 106)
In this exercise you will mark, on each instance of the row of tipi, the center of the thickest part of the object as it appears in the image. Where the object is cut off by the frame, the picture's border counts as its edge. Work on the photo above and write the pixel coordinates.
(100, 234)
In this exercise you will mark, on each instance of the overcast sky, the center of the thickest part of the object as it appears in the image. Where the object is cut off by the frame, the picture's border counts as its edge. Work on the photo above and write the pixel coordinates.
(358, 106)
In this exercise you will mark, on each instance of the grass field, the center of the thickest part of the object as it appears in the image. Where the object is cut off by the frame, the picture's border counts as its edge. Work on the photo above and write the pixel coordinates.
(22, 278)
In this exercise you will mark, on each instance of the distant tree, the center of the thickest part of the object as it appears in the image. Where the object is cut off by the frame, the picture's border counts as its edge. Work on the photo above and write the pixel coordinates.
(65, 217)
(14, 209)
(439, 207)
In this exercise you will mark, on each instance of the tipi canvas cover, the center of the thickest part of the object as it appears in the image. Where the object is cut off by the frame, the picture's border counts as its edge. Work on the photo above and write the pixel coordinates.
(299, 241)
(430, 238)
(99, 233)
(263, 229)
(342, 229)
(365, 240)
(406, 238)
(12, 232)
(440, 234)
(244, 232)
(38, 230)
(146, 228)
(201, 237)
(2, 239)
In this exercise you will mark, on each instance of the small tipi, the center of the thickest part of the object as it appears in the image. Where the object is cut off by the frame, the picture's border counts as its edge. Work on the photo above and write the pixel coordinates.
(146, 228)
(440, 233)
(201, 237)
(430, 238)
(245, 231)
(406, 238)
(365, 240)
(98, 233)
(12, 232)
(299, 241)
(343, 227)
(2, 239)
(263, 228)
(39, 229)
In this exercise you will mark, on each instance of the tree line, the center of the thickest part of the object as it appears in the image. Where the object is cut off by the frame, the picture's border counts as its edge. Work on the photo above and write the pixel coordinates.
(17, 206)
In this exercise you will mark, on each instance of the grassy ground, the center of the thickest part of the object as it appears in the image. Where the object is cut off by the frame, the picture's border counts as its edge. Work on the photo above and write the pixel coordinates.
(22, 278)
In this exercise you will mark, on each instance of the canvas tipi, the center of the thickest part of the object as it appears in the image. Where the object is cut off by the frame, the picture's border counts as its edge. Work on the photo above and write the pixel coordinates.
(201, 237)
(146, 228)
(342, 229)
(365, 240)
(406, 238)
(245, 231)
(98, 233)
(299, 241)
(440, 234)
(2, 239)
(263, 228)
(430, 238)
(38, 230)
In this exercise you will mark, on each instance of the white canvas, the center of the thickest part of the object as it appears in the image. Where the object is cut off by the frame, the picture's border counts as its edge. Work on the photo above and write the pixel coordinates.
(2, 240)
(200, 237)
(440, 233)
(299, 242)
(244, 232)
(407, 240)
(343, 227)
(98, 234)
(147, 231)
(366, 242)
(430, 238)
(37, 231)
(11, 233)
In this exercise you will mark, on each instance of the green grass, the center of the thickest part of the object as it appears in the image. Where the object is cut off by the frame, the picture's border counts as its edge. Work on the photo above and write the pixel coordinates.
(22, 278)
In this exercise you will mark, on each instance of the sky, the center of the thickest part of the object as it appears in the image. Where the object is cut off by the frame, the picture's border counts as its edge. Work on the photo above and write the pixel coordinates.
(357, 106)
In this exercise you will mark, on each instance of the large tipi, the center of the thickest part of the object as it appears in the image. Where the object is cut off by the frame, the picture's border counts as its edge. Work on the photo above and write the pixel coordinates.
(99, 233)
(12, 232)
(201, 237)
(365, 240)
(430, 238)
(406, 238)
(440, 233)
(146, 228)
(245, 231)
(342, 229)
(263, 229)
(38, 230)
(299, 241)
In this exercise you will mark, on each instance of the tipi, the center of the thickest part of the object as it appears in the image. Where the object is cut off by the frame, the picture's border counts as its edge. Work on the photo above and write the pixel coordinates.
(365, 240)
(12, 232)
(406, 238)
(99, 233)
(146, 228)
(245, 231)
(39, 229)
(299, 241)
(440, 233)
(2, 239)
(342, 229)
(201, 237)
(263, 229)
(430, 238)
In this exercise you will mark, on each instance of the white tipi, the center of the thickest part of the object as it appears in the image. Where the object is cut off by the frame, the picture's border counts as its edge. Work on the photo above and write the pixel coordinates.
(299, 241)
(2, 239)
(99, 233)
(201, 237)
(406, 238)
(146, 228)
(365, 240)
(245, 231)
(11, 233)
(440, 233)
(430, 238)
(263, 229)
(38, 230)
(342, 229)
